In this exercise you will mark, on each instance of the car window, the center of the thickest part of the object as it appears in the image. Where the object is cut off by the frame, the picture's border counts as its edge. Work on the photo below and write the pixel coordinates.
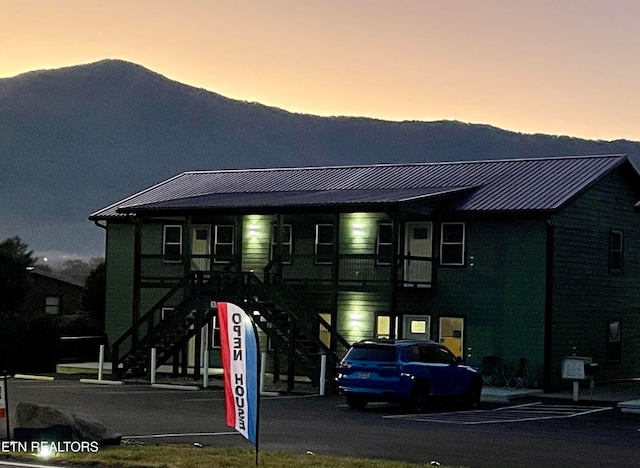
(444, 355)
(428, 354)
(372, 353)
(413, 354)
(435, 354)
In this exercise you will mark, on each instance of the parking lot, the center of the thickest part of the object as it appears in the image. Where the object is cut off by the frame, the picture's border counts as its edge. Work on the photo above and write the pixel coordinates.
(531, 433)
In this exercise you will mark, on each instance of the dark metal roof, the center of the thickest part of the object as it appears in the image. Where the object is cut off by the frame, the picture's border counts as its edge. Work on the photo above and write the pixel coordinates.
(248, 200)
(496, 185)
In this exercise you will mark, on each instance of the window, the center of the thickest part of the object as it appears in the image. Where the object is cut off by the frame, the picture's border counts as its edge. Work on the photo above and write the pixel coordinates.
(614, 341)
(384, 244)
(215, 334)
(324, 244)
(383, 326)
(286, 243)
(452, 237)
(53, 305)
(172, 243)
(166, 312)
(224, 245)
(615, 251)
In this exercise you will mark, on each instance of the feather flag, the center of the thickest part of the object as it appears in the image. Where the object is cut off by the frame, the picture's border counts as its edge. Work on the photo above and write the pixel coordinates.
(239, 348)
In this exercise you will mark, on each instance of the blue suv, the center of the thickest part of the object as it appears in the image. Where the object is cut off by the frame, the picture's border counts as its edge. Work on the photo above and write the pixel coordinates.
(405, 371)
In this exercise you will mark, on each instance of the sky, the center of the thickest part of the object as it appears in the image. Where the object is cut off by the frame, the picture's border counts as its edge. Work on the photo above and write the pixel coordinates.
(560, 67)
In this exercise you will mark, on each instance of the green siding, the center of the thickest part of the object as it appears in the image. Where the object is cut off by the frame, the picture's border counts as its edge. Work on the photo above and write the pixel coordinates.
(358, 232)
(256, 242)
(586, 294)
(357, 311)
(120, 273)
(500, 292)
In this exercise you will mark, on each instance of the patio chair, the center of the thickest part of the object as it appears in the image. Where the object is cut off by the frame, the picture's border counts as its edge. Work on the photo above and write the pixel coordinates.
(491, 371)
(519, 378)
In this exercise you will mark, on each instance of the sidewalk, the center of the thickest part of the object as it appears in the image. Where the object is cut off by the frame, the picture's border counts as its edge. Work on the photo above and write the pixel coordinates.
(624, 394)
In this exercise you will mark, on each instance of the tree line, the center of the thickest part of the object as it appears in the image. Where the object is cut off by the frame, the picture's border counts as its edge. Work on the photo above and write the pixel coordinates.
(29, 338)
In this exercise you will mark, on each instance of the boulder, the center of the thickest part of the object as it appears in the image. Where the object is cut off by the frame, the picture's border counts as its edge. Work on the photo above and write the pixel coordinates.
(31, 417)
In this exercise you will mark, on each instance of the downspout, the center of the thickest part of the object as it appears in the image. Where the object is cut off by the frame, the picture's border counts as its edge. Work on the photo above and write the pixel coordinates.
(335, 273)
(548, 307)
(137, 272)
(395, 236)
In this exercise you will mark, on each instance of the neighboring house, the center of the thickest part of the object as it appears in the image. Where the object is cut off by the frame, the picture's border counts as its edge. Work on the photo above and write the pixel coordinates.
(53, 295)
(528, 258)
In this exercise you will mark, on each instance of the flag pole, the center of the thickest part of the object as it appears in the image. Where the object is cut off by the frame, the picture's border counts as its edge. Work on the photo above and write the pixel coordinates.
(6, 404)
(257, 388)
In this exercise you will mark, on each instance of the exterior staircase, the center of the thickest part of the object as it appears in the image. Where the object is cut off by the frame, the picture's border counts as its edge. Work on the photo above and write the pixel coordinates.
(168, 333)
(292, 341)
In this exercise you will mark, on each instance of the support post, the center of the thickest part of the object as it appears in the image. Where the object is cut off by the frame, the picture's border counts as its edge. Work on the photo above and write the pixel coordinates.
(205, 357)
(152, 365)
(263, 370)
(323, 373)
(101, 363)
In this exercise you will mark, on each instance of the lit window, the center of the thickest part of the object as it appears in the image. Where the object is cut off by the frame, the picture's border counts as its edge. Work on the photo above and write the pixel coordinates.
(452, 237)
(172, 243)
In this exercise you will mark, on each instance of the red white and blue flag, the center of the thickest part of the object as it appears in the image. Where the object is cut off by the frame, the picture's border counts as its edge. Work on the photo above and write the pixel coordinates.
(240, 364)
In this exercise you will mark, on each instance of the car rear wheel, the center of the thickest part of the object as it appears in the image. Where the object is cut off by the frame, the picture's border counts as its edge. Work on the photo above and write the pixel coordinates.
(473, 394)
(356, 402)
(420, 400)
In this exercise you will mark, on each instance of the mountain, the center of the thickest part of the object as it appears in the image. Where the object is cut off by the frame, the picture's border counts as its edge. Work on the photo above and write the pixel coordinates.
(76, 139)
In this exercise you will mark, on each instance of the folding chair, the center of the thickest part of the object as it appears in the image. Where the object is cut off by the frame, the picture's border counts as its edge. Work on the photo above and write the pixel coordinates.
(491, 371)
(519, 378)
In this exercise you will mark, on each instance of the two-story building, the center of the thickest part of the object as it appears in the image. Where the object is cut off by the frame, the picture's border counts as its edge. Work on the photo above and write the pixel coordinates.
(523, 258)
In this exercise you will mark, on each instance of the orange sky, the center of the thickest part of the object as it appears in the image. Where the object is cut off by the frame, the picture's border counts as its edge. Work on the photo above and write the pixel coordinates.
(569, 67)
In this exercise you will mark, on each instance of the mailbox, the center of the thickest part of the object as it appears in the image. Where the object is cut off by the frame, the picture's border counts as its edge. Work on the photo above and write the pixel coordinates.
(577, 368)
(573, 367)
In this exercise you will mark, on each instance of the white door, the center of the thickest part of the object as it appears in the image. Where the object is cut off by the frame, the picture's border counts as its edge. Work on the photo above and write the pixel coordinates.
(418, 243)
(200, 245)
(416, 327)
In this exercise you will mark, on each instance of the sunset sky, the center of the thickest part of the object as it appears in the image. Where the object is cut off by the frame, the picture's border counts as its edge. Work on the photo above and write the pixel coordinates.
(562, 67)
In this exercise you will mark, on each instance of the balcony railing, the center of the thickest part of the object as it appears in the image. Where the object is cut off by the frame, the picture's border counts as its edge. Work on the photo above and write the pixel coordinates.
(357, 269)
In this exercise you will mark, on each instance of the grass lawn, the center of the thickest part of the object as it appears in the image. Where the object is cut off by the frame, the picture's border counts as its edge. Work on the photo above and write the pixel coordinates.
(182, 456)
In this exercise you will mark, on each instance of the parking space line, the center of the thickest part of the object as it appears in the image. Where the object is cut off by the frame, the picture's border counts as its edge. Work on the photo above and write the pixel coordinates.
(186, 434)
(507, 414)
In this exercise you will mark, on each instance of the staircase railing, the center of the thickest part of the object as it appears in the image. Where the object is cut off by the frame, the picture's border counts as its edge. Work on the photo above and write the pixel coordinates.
(278, 292)
(190, 298)
(143, 332)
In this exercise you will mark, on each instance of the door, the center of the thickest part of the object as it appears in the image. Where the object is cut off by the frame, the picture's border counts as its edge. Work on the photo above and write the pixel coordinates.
(418, 243)
(200, 245)
(452, 334)
(416, 327)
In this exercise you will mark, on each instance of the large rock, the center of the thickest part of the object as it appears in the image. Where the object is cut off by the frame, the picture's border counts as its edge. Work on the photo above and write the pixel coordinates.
(33, 416)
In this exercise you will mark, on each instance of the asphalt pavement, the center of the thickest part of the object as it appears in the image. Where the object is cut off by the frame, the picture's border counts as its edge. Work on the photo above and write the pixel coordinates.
(532, 429)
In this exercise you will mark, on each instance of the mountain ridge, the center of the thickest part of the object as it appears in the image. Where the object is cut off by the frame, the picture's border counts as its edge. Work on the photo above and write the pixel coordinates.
(76, 139)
